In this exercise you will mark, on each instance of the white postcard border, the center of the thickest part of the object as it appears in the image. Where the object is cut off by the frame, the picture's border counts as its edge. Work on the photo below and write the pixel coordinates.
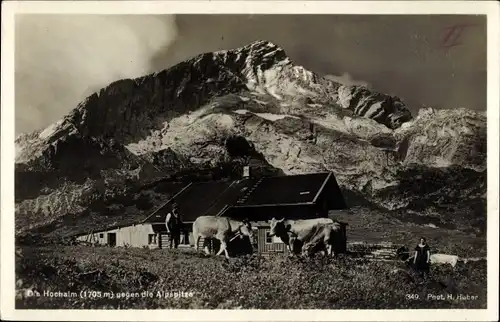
(489, 8)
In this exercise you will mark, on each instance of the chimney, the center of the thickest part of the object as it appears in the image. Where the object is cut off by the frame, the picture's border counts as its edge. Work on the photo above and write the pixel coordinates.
(246, 172)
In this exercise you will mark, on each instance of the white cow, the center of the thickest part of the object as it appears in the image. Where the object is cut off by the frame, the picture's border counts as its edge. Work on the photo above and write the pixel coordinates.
(222, 228)
(435, 259)
(440, 259)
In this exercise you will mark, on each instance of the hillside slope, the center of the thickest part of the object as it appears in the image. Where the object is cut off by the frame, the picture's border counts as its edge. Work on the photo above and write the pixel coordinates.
(219, 111)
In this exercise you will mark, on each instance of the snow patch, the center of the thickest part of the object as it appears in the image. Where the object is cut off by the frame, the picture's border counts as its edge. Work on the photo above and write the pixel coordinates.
(379, 184)
(274, 117)
(346, 79)
(49, 130)
(270, 53)
(467, 130)
(267, 116)
(260, 102)
(19, 150)
(444, 131)
(442, 162)
(332, 122)
(302, 74)
(241, 112)
(181, 133)
(244, 99)
(406, 125)
(270, 80)
(225, 121)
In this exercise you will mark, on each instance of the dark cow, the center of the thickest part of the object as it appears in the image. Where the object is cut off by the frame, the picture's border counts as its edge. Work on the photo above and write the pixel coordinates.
(310, 232)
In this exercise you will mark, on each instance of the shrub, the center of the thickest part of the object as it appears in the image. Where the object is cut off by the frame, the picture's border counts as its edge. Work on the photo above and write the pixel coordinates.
(249, 282)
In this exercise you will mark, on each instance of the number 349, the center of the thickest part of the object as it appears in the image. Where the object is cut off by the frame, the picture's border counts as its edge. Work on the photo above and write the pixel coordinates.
(412, 296)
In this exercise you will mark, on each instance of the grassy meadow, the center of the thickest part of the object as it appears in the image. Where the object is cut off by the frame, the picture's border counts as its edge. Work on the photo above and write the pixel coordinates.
(111, 275)
(250, 282)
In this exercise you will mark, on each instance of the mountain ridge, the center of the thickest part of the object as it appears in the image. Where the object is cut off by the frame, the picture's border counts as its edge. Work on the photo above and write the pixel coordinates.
(287, 118)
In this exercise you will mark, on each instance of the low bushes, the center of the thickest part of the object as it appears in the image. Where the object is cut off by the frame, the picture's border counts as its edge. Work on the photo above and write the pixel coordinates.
(248, 282)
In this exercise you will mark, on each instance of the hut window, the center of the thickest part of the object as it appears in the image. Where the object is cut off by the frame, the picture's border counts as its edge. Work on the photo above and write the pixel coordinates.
(101, 235)
(269, 239)
(152, 239)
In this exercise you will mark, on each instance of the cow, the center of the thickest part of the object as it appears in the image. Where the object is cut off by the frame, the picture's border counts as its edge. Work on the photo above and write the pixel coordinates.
(325, 235)
(310, 232)
(221, 228)
(441, 259)
(435, 259)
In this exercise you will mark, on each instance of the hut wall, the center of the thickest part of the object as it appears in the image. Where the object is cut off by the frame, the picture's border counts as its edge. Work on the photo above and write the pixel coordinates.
(269, 245)
(95, 238)
(266, 213)
(164, 238)
(141, 235)
(186, 239)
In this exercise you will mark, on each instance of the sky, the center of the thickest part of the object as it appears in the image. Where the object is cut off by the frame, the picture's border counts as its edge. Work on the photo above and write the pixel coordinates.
(61, 59)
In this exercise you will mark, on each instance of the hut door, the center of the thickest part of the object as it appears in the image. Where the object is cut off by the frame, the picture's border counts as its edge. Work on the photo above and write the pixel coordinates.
(112, 239)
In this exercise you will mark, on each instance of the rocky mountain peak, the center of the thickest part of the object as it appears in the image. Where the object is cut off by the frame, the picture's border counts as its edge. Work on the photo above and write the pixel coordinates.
(219, 110)
(129, 109)
(258, 53)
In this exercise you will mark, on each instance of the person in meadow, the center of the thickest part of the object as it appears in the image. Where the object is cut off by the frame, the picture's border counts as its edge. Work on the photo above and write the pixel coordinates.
(422, 257)
(173, 223)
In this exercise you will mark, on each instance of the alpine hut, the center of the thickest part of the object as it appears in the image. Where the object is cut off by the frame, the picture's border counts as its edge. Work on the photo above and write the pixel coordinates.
(255, 199)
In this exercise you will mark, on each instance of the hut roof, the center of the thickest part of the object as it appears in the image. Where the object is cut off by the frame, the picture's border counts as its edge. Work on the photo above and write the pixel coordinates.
(215, 197)
(230, 196)
(292, 190)
(203, 198)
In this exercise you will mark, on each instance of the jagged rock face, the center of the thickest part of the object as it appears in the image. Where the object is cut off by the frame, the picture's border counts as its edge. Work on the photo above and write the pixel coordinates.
(219, 111)
(384, 109)
(444, 138)
(128, 109)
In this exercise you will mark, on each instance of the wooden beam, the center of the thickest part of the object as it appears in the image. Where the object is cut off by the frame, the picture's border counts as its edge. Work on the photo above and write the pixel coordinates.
(275, 204)
(166, 203)
(163, 223)
(321, 188)
(223, 210)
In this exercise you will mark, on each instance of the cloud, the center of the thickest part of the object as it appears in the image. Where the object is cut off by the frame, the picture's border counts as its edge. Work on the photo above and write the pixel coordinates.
(347, 79)
(61, 59)
(399, 55)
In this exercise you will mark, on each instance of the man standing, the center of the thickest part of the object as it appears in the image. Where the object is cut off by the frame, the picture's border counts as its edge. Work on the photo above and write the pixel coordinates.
(173, 224)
